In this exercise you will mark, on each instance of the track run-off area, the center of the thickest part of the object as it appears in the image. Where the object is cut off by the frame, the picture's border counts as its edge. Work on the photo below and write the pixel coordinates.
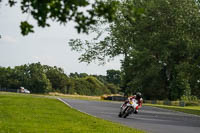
(149, 119)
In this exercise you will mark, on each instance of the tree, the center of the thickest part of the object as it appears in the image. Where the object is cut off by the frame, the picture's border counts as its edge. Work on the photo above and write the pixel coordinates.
(96, 87)
(63, 11)
(113, 76)
(160, 44)
(76, 75)
(70, 86)
(38, 81)
(57, 78)
(113, 88)
(101, 78)
(10, 78)
(90, 86)
(2, 77)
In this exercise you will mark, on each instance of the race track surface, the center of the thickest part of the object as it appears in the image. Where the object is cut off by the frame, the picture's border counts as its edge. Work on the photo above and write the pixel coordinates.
(150, 119)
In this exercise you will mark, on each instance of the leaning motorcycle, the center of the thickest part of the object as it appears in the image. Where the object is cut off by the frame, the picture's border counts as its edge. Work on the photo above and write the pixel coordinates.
(128, 109)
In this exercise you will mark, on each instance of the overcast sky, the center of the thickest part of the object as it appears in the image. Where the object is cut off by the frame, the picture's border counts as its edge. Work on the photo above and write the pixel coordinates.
(47, 45)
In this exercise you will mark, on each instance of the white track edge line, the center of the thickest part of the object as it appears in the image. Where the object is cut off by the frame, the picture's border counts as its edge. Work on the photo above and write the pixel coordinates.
(64, 102)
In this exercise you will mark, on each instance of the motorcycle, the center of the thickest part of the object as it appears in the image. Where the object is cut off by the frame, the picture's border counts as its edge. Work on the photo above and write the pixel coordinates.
(128, 109)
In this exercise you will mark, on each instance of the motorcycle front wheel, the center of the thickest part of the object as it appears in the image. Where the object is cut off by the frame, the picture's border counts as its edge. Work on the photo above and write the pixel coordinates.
(127, 112)
(120, 114)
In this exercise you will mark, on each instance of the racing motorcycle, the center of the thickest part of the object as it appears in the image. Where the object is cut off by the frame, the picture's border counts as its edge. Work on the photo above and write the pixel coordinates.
(128, 109)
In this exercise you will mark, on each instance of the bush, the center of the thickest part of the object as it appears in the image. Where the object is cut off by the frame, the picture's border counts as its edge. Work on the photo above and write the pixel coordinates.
(189, 98)
(113, 88)
(82, 87)
(191, 104)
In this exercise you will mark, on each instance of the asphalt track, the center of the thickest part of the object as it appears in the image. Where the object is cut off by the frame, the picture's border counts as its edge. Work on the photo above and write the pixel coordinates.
(150, 119)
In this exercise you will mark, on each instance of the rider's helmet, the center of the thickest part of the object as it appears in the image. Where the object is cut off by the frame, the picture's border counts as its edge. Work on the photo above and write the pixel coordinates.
(138, 95)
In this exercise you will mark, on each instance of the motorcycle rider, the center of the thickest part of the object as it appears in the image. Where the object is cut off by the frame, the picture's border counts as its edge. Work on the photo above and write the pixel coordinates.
(139, 99)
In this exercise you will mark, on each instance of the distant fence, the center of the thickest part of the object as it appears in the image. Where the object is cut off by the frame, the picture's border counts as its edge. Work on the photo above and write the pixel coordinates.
(173, 103)
(166, 102)
(10, 90)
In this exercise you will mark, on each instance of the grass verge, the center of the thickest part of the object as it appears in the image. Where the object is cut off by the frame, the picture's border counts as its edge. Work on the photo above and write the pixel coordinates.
(188, 109)
(29, 114)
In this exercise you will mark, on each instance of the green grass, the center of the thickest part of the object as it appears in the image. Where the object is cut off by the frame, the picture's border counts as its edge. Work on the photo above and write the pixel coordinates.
(32, 114)
(188, 109)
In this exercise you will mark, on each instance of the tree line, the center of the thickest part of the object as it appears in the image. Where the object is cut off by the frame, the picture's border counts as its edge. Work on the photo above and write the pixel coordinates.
(43, 79)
